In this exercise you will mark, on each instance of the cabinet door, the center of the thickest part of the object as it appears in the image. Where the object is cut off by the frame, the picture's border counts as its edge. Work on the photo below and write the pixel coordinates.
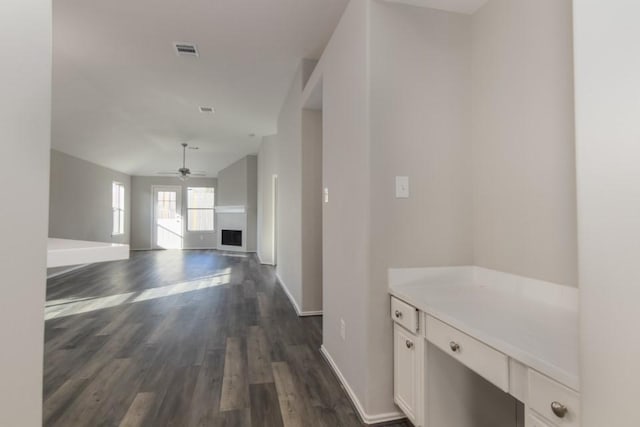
(408, 358)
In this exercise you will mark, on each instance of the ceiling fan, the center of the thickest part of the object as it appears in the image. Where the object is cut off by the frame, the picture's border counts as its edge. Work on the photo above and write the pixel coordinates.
(184, 172)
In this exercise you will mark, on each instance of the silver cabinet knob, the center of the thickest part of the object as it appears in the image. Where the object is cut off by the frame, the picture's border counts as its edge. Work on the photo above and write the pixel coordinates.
(454, 346)
(559, 409)
(398, 314)
(409, 344)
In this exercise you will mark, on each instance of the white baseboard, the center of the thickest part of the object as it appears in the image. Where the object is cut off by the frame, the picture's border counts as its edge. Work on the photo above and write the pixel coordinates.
(366, 418)
(299, 312)
(262, 262)
(197, 249)
(65, 271)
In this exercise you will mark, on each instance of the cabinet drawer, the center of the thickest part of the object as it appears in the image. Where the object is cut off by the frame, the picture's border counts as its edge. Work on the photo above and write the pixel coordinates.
(484, 360)
(404, 314)
(543, 392)
(533, 421)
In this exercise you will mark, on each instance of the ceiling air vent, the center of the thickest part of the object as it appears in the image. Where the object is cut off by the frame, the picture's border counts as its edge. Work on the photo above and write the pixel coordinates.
(207, 110)
(189, 49)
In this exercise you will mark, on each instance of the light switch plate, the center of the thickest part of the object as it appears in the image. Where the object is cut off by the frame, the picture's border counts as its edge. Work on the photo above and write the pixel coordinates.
(326, 195)
(402, 187)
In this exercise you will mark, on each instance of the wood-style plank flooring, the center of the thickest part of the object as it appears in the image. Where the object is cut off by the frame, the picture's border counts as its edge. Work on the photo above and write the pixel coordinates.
(184, 338)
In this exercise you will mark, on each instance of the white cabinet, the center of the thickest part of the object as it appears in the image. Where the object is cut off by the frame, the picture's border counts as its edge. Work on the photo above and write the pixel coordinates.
(408, 367)
(492, 365)
(518, 333)
(553, 401)
(534, 421)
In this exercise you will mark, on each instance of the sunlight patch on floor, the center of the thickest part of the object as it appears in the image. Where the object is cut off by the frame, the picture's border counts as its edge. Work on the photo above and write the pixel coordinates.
(70, 306)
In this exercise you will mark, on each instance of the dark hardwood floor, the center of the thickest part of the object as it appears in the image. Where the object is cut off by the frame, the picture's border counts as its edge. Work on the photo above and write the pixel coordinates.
(191, 338)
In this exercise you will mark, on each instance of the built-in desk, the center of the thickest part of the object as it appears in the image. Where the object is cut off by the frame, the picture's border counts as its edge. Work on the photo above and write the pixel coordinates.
(518, 333)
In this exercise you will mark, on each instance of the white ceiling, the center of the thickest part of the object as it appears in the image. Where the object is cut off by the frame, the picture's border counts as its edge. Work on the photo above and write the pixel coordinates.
(459, 6)
(123, 99)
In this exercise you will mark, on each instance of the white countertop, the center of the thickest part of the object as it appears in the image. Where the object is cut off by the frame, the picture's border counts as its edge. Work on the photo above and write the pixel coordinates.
(533, 322)
(64, 252)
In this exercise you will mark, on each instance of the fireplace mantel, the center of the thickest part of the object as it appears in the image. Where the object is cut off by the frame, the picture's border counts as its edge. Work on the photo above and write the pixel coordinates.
(230, 209)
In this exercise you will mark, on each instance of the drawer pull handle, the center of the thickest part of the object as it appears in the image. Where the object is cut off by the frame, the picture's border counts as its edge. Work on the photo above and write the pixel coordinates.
(398, 314)
(409, 344)
(454, 346)
(559, 409)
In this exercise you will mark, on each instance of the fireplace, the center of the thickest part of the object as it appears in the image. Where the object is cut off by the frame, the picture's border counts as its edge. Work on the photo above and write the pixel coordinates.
(232, 238)
(232, 226)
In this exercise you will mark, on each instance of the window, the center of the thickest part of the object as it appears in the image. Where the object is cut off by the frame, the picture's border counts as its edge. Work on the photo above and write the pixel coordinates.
(117, 204)
(200, 204)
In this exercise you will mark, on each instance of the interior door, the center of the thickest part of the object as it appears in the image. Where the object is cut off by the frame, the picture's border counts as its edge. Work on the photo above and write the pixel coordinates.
(168, 229)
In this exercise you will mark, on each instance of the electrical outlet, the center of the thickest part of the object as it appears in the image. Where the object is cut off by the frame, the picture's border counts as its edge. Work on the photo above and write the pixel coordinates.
(343, 330)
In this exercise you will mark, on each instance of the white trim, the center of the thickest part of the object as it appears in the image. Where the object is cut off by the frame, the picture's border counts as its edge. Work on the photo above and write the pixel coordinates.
(263, 262)
(67, 270)
(299, 312)
(202, 248)
(230, 209)
(310, 313)
(179, 211)
(366, 418)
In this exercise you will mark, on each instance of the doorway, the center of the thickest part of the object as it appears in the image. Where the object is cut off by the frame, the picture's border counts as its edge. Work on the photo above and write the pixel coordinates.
(167, 226)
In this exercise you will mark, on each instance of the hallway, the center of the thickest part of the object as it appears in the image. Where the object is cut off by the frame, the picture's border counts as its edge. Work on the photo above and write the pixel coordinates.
(184, 338)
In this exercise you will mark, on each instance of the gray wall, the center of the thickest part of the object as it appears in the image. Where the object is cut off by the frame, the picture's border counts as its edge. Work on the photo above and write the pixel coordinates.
(142, 213)
(232, 184)
(311, 222)
(80, 200)
(25, 117)
(252, 203)
(238, 186)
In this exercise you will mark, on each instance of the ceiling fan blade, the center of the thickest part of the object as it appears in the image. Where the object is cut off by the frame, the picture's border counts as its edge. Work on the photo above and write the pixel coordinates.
(198, 174)
(167, 173)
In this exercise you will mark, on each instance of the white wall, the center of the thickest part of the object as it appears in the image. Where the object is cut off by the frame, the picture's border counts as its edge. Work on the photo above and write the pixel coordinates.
(80, 201)
(25, 115)
(608, 148)
(412, 92)
(523, 139)
(267, 167)
(420, 127)
(142, 213)
(295, 156)
(346, 173)
(289, 155)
